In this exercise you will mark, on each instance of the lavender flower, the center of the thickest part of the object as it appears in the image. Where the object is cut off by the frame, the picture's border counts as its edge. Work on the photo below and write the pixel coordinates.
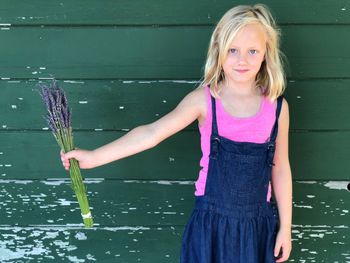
(58, 118)
(55, 99)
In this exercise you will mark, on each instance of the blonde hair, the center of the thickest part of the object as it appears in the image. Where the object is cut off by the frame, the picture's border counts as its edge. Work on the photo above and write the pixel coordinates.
(271, 76)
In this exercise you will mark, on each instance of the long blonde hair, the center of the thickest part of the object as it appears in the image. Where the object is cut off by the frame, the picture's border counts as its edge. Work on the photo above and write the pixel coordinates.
(271, 75)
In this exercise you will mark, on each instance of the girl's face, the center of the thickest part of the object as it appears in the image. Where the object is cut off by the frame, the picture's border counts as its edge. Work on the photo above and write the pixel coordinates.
(245, 55)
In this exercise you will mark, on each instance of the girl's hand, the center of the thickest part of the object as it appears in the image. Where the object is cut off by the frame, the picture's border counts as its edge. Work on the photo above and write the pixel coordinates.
(84, 158)
(284, 243)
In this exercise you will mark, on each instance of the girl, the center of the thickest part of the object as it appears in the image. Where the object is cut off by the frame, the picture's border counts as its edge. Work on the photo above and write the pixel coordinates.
(243, 121)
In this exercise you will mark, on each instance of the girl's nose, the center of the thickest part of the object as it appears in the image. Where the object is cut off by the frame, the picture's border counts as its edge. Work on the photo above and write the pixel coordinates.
(242, 59)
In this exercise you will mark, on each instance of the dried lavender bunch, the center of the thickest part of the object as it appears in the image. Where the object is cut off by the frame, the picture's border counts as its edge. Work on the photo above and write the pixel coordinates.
(59, 120)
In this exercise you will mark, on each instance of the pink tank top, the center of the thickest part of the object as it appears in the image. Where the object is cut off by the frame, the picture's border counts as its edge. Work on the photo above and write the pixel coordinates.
(256, 128)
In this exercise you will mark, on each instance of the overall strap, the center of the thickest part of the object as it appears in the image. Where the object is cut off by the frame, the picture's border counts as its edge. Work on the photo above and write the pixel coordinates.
(275, 126)
(214, 125)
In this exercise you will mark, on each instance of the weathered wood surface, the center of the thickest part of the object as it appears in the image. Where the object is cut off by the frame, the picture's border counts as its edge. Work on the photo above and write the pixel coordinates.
(152, 202)
(163, 53)
(323, 155)
(41, 244)
(124, 104)
(150, 12)
(115, 82)
(144, 220)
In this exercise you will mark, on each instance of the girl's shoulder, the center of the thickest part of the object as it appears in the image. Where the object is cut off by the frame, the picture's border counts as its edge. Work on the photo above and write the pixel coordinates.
(202, 95)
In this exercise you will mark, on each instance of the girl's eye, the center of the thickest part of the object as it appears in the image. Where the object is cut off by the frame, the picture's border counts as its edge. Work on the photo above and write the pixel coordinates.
(253, 51)
(233, 50)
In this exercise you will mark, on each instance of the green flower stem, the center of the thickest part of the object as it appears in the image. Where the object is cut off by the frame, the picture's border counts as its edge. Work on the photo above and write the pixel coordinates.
(80, 191)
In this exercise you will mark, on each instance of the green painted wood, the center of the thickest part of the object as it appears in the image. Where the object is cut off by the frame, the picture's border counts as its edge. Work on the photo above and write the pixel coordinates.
(150, 203)
(163, 53)
(178, 157)
(140, 212)
(146, 12)
(125, 104)
(319, 243)
(74, 244)
(147, 244)
(35, 155)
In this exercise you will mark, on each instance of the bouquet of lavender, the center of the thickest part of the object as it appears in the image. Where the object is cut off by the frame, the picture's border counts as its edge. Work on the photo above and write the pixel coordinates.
(59, 120)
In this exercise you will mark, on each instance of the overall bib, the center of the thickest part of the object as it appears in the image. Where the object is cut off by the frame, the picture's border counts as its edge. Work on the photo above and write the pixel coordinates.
(233, 222)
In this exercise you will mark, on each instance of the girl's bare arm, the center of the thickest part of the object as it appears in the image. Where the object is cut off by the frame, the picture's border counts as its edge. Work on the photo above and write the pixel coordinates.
(143, 137)
(282, 186)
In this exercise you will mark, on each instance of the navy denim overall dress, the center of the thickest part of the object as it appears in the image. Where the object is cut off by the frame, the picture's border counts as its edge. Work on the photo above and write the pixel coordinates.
(233, 222)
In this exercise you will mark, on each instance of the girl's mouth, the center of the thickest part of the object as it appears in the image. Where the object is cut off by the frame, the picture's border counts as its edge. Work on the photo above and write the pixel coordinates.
(242, 70)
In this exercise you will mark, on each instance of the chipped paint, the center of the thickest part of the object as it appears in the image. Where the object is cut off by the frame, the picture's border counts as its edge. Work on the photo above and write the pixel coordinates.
(15, 181)
(59, 181)
(310, 196)
(306, 182)
(80, 236)
(180, 81)
(338, 185)
(162, 182)
(303, 206)
(74, 82)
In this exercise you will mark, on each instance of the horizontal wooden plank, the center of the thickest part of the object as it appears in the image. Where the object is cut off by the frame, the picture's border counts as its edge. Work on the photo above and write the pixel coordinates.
(73, 244)
(311, 243)
(102, 105)
(125, 104)
(320, 244)
(147, 244)
(313, 156)
(177, 157)
(150, 203)
(163, 53)
(146, 12)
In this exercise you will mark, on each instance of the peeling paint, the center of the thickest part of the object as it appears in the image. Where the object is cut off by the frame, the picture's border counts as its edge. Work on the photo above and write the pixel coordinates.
(163, 182)
(303, 206)
(337, 185)
(74, 82)
(15, 181)
(306, 182)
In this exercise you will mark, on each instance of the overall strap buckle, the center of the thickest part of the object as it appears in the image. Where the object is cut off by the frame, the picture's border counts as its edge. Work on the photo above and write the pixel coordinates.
(271, 151)
(214, 147)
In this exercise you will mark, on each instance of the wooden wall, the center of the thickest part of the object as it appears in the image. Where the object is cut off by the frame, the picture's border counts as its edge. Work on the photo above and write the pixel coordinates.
(126, 63)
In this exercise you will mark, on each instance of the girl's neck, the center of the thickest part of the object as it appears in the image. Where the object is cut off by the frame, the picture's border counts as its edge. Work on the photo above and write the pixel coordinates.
(237, 89)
